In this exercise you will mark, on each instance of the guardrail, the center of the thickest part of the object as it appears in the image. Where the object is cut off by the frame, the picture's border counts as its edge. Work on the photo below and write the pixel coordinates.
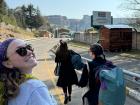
(129, 76)
(133, 82)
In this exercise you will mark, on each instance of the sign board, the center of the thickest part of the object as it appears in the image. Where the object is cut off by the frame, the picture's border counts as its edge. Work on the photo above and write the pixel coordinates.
(101, 18)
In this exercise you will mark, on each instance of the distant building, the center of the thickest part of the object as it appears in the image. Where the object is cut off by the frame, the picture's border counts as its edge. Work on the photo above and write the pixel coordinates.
(43, 31)
(85, 22)
(59, 20)
(100, 18)
(73, 24)
(64, 33)
(125, 21)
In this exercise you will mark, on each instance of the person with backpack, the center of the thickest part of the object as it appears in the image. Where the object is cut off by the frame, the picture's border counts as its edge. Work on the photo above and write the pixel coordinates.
(67, 75)
(17, 84)
(105, 81)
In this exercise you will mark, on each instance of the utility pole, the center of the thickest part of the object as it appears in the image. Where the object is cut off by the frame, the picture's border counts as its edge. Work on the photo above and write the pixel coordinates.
(76, 27)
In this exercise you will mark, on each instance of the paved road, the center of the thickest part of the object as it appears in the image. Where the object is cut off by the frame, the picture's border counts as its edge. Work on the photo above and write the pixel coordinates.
(44, 71)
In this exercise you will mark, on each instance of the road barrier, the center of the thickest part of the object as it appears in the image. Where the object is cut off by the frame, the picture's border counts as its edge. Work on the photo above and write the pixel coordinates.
(133, 82)
(130, 76)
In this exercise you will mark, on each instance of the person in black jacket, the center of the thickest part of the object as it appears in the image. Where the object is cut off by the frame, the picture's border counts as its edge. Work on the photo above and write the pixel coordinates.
(88, 75)
(67, 75)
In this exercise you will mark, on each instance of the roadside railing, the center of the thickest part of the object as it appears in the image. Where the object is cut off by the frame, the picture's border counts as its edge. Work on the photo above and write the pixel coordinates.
(129, 76)
(132, 82)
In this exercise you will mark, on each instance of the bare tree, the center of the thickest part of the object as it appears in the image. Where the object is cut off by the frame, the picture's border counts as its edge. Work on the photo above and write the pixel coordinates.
(133, 5)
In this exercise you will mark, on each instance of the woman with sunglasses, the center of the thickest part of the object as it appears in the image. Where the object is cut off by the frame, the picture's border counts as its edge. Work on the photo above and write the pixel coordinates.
(17, 85)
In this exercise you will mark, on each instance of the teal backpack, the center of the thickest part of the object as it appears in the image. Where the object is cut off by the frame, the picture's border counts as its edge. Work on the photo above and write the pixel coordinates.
(112, 89)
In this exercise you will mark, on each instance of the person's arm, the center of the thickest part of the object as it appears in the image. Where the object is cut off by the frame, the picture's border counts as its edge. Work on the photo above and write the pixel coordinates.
(84, 77)
(41, 96)
(56, 58)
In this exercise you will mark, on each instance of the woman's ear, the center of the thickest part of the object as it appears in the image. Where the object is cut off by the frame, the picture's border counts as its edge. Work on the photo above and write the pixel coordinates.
(7, 64)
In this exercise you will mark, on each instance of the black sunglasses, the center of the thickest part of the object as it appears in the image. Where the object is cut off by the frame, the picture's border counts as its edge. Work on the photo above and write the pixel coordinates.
(22, 51)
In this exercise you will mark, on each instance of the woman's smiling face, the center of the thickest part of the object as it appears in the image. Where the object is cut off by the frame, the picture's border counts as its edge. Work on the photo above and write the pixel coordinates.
(21, 56)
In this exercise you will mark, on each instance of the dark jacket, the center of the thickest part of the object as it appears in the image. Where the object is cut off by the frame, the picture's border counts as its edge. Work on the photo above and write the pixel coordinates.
(67, 74)
(88, 79)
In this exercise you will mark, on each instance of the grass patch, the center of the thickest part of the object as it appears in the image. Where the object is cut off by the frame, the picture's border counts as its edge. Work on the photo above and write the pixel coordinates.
(76, 43)
(132, 54)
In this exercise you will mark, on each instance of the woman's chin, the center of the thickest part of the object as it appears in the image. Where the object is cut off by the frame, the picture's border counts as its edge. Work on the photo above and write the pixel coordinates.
(32, 63)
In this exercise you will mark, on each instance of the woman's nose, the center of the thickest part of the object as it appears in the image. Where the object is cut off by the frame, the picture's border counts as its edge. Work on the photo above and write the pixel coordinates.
(29, 52)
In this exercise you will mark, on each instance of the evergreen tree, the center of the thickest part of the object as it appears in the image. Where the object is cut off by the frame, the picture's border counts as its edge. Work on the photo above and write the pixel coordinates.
(3, 8)
(39, 20)
(33, 18)
(25, 17)
(6, 14)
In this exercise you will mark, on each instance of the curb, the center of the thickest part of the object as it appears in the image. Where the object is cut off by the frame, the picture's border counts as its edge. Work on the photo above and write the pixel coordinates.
(133, 93)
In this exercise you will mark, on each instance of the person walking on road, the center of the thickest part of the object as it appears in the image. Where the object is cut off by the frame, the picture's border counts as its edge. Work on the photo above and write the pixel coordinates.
(106, 84)
(90, 97)
(67, 75)
(17, 85)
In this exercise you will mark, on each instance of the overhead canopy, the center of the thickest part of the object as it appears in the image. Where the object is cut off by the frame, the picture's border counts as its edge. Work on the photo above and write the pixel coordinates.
(117, 26)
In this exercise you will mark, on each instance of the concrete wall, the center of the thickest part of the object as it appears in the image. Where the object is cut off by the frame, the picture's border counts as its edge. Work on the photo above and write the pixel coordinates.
(88, 38)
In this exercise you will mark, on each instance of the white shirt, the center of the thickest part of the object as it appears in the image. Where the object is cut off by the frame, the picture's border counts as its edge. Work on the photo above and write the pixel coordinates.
(33, 92)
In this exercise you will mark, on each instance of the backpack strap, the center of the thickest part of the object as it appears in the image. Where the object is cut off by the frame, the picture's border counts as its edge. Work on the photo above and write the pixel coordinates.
(88, 72)
(108, 65)
(87, 66)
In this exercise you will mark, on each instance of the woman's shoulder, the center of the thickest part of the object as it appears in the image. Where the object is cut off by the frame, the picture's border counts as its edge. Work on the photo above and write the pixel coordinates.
(30, 86)
(96, 62)
(33, 83)
(26, 90)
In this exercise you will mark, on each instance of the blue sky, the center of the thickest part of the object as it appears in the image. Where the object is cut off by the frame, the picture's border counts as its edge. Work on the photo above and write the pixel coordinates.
(72, 8)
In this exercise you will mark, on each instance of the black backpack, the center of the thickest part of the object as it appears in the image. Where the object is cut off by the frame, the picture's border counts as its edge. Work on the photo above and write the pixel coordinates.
(76, 60)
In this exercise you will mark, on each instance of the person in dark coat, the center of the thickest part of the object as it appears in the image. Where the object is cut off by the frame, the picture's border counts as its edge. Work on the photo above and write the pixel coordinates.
(67, 75)
(88, 75)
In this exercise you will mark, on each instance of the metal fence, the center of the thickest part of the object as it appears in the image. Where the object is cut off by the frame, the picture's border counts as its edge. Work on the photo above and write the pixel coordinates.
(132, 79)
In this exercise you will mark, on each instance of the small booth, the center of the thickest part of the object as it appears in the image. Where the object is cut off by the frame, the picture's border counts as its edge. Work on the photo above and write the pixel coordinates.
(116, 37)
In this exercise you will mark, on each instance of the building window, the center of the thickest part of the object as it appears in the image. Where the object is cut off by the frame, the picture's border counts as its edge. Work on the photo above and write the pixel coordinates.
(101, 14)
